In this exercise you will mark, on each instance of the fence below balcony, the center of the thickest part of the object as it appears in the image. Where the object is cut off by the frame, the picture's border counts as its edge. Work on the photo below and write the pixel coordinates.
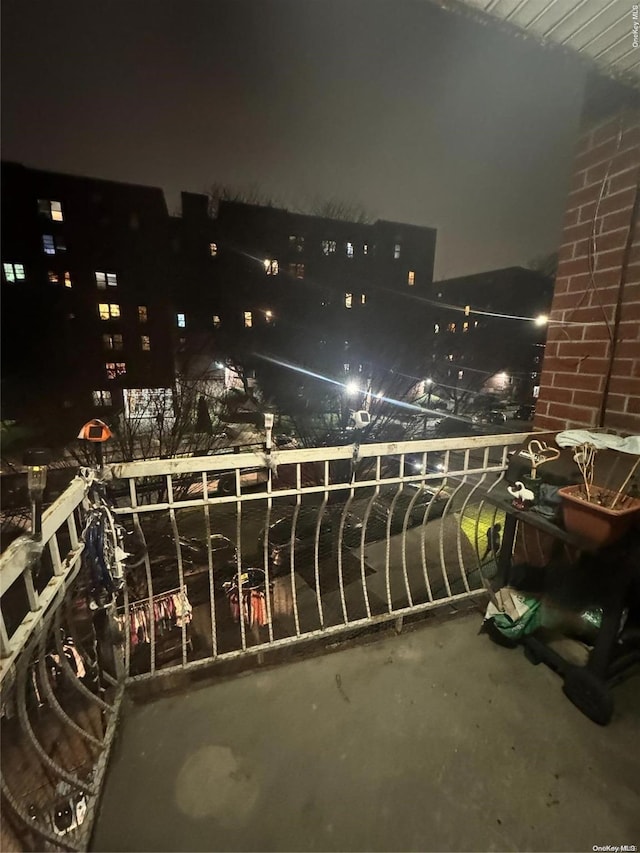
(230, 557)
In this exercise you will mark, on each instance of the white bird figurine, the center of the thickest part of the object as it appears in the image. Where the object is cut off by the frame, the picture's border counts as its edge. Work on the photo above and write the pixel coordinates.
(521, 494)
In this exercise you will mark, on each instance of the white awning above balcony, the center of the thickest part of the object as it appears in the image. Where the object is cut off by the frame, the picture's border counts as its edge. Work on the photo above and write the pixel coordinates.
(602, 31)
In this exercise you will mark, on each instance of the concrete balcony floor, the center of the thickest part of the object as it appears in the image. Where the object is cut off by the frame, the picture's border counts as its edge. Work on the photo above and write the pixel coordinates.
(434, 739)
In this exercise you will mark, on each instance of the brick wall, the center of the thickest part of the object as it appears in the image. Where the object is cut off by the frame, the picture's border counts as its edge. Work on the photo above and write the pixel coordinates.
(591, 369)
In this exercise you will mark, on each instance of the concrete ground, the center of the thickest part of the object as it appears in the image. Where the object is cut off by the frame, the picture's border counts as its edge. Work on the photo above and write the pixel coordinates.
(435, 739)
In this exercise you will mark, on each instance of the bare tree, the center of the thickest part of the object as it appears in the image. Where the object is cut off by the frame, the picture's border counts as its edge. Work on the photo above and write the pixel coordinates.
(251, 194)
(336, 208)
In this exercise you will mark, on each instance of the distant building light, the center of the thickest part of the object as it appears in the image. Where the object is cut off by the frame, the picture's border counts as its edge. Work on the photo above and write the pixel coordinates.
(51, 209)
(217, 322)
(248, 319)
(411, 278)
(396, 251)
(213, 249)
(271, 266)
(181, 321)
(349, 249)
(467, 310)
(348, 300)
(13, 272)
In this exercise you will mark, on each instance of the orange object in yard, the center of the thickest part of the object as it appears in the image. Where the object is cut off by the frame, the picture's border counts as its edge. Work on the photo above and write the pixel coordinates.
(95, 430)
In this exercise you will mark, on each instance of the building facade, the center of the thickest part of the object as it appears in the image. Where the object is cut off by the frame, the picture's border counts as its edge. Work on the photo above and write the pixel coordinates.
(85, 292)
(489, 333)
(107, 298)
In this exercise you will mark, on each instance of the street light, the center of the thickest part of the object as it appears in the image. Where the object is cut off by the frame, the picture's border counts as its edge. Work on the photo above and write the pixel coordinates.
(352, 388)
(541, 320)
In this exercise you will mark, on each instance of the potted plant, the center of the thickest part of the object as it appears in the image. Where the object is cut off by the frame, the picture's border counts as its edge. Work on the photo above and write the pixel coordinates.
(597, 513)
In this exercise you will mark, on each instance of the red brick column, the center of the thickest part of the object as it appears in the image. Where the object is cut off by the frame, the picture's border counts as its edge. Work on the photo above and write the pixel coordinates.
(591, 370)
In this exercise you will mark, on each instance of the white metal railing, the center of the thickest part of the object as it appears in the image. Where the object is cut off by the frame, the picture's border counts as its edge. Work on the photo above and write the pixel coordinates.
(353, 541)
(231, 555)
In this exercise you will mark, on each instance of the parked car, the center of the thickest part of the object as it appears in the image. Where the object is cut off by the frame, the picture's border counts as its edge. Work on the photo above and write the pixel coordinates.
(279, 532)
(163, 561)
(494, 416)
(249, 478)
(525, 412)
(390, 502)
(284, 441)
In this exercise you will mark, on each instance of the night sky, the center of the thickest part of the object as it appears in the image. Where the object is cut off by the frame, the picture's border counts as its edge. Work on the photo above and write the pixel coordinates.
(418, 114)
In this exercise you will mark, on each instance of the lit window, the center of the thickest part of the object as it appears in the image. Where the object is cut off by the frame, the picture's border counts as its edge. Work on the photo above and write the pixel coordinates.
(13, 272)
(112, 342)
(467, 310)
(450, 356)
(271, 267)
(436, 328)
(328, 247)
(145, 343)
(51, 209)
(475, 324)
(217, 322)
(465, 327)
(67, 279)
(106, 279)
(451, 327)
(349, 248)
(346, 367)
(363, 299)
(268, 316)
(101, 398)
(365, 249)
(54, 278)
(411, 277)
(142, 314)
(359, 368)
(51, 245)
(396, 250)
(115, 369)
(248, 319)
(181, 321)
(348, 300)
(213, 249)
(460, 374)
(296, 243)
(108, 311)
(296, 270)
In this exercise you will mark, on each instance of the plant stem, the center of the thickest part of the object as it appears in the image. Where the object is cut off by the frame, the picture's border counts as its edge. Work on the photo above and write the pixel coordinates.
(626, 482)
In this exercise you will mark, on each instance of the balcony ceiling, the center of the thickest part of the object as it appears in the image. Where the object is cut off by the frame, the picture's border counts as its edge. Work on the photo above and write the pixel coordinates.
(600, 31)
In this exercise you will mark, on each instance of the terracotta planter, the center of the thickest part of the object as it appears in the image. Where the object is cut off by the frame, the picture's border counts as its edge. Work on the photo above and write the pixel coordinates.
(597, 524)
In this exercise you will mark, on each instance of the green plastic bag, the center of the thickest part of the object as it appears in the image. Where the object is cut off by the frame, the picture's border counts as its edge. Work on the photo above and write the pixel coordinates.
(522, 620)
